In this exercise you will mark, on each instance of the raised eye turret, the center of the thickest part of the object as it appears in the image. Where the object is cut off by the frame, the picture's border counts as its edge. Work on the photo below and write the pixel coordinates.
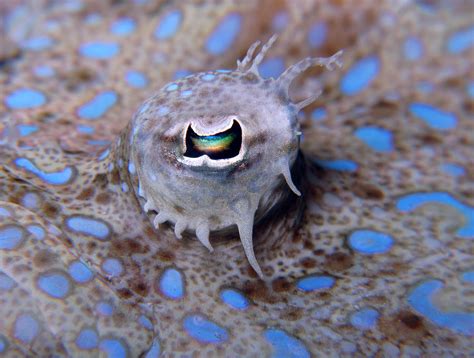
(213, 151)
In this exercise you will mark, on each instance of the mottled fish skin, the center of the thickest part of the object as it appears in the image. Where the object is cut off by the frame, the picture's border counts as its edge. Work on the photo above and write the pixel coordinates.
(375, 258)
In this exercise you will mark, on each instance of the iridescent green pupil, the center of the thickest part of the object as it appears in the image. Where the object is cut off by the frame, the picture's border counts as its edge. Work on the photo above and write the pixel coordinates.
(214, 143)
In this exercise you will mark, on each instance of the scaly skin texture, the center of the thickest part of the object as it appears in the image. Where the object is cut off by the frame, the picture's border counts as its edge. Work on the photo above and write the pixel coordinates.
(375, 258)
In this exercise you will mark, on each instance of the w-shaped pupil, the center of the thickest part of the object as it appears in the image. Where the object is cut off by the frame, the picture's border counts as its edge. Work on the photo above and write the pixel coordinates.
(223, 145)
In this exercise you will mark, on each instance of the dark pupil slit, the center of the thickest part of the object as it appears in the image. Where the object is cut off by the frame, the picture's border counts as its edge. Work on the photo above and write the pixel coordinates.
(222, 145)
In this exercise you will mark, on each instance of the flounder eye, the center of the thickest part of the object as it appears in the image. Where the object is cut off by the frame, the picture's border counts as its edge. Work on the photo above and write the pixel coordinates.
(222, 145)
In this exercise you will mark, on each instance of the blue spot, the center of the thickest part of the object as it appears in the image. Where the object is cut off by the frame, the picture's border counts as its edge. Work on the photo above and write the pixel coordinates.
(412, 48)
(284, 345)
(163, 111)
(204, 330)
(465, 276)
(100, 143)
(99, 50)
(44, 71)
(54, 284)
(30, 200)
(96, 107)
(4, 212)
(360, 75)
(272, 67)
(114, 348)
(453, 169)
(432, 116)
(315, 282)
(470, 89)
(145, 322)
(208, 77)
(365, 318)
(26, 129)
(85, 129)
(172, 87)
(461, 41)
(37, 231)
(186, 93)
(341, 165)
(112, 267)
(123, 26)
(370, 242)
(420, 300)
(414, 201)
(136, 79)
(319, 114)
(155, 349)
(87, 339)
(6, 283)
(181, 73)
(55, 178)
(171, 283)
(37, 43)
(169, 25)
(234, 299)
(376, 138)
(25, 98)
(80, 272)
(88, 226)
(104, 309)
(279, 21)
(104, 154)
(317, 34)
(26, 328)
(10, 237)
(4, 344)
(224, 34)
(131, 168)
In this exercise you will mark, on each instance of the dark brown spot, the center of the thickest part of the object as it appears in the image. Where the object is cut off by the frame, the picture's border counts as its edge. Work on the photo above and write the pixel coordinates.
(281, 285)
(44, 258)
(339, 261)
(103, 198)
(134, 246)
(404, 326)
(115, 177)
(308, 263)
(50, 210)
(164, 255)
(124, 293)
(411, 320)
(91, 246)
(100, 180)
(368, 191)
(140, 288)
(292, 314)
(85, 194)
(250, 78)
(258, 291)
